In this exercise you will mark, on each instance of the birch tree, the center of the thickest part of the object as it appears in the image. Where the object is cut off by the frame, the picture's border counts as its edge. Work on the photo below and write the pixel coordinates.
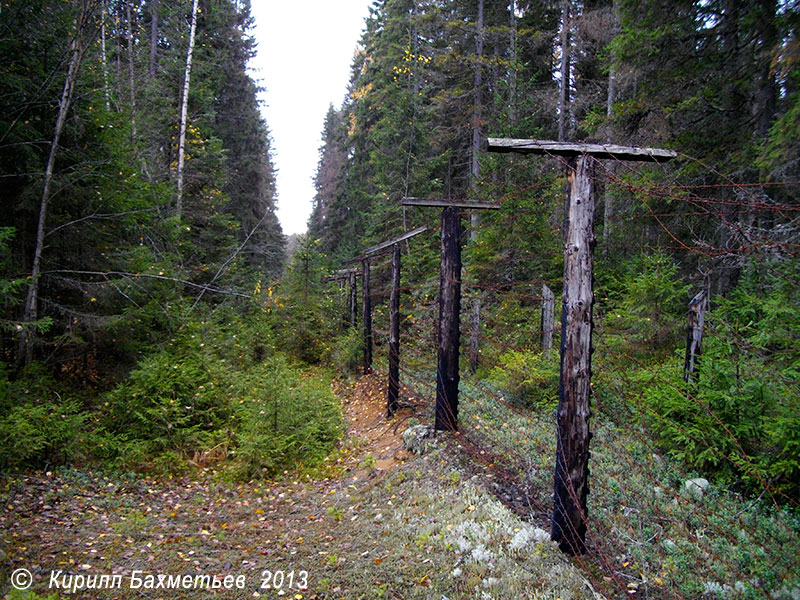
(184, 105)
(564, 71)
(77, 47)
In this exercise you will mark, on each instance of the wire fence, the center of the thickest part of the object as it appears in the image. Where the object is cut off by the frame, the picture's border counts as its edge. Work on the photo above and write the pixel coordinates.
(691, 494)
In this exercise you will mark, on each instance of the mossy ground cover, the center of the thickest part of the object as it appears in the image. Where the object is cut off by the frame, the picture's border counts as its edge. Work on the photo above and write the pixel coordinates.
(648, 535)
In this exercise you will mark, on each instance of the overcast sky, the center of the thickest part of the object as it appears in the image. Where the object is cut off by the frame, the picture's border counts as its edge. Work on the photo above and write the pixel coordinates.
(304, 53)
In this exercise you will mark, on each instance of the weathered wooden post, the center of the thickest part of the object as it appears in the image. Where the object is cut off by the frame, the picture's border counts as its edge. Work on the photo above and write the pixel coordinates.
(548, 316)
(447, 375)
(574, 393)
(694, 334)
(351, 308)
(394, 313)
(571, 481)
(475, 334)
(393, 390)
(366, 315)
(352, 304)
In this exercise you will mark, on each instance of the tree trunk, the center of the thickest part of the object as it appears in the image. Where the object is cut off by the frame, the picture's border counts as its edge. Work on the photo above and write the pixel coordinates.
(564, 71)
(30, 313)
(394, 335)
(474, 220)
(184, 106)
(574, 393)
(548, 317)
(153, 37)
(449, 305)
(612, 69)
(103, 56)
(131, 79)
(512, 73)
(694, 334)
(477, 103)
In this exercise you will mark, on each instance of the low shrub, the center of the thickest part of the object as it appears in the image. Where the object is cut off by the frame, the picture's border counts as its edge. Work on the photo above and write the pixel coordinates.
(529, 378)
(175, 401)
(346, 352)
(37, 426)
(285, 418)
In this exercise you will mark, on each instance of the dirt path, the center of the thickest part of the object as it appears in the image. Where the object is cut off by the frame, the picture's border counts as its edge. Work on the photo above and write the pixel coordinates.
(378, 523)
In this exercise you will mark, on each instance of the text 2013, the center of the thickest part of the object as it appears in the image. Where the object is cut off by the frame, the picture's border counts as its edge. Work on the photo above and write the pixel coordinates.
(277, 580)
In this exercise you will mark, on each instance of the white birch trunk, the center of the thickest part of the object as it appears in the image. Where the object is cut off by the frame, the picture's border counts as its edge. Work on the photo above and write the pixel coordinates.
(564, 71)
(131, 88)
(184, 104)
(103, 57)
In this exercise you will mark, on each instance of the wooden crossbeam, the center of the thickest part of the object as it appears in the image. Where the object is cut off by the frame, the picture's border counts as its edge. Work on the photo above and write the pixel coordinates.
(363, 257)
(343, 274)
(446, 202)
(571, 149)
(402, 238)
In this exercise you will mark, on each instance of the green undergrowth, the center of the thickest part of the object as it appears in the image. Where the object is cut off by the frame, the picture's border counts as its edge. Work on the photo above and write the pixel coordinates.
(647, 532)
(217, 391)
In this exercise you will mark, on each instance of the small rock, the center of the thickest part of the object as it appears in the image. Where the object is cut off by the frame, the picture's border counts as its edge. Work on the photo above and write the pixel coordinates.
(670, 546)
(696, 488)
(418, 439)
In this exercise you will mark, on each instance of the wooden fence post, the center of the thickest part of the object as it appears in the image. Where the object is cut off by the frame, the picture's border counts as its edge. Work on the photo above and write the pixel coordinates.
(366, 314)
(548, 317)
(694, 334)
(345, 308)
(352, 304)
(394, 336)
(394, 310)
(475, 333)
(572, 449)
(449, 304)
(574, 389)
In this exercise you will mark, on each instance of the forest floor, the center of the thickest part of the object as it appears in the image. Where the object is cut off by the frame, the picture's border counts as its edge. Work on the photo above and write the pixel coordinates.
(375, 522)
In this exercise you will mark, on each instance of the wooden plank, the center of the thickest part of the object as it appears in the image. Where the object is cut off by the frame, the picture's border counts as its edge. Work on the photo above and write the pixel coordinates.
(571, 482)
(393, 391)
(569, 149)
(694, 335)
(402, 238)
(548, 317)
(448, 202)
(449, 304)
(361, 258)
(366, 315)
(341, 274)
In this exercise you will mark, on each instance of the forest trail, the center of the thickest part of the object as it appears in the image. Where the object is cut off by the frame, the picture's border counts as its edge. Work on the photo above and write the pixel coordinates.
(86, 522)
(377, 522)
(368, 428)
